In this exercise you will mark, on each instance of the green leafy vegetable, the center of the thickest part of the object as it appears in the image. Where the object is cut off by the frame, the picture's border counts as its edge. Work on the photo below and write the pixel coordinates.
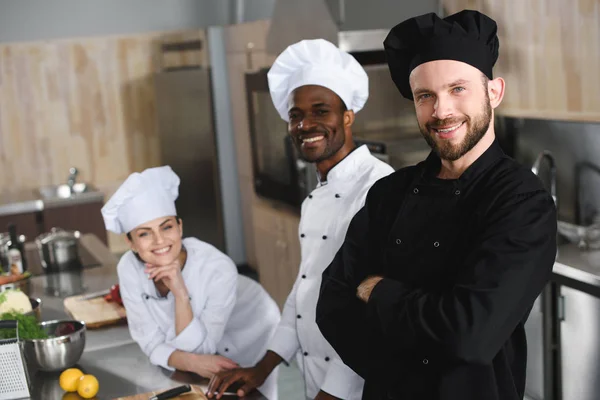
(3, 296)
(28, 327)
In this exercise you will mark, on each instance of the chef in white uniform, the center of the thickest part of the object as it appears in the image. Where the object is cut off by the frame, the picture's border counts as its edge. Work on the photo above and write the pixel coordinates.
(317, 88)
(187, 306)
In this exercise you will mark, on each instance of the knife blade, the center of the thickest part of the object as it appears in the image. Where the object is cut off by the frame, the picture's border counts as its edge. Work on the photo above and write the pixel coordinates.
(94, 295)
(169, 394)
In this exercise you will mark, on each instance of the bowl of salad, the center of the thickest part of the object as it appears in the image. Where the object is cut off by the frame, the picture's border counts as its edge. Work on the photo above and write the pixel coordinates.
(58, 346)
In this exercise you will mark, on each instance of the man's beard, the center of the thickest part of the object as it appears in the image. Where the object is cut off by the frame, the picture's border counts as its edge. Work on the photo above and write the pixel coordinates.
(333, 143)
(478, 127)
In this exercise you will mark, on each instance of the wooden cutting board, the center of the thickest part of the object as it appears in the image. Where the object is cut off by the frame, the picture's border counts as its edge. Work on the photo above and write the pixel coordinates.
(96, 312)
(195, 394)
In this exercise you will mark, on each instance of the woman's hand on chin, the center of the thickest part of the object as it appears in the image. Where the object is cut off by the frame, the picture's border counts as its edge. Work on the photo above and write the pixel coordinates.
(170, 275)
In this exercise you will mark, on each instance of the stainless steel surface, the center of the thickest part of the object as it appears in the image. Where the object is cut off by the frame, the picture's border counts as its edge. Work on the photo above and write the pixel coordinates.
(586, 237)
(311, 20)
(90, 196)
(231, 193)
(187, 143)
(73, 172)
(64, 191)
(61, 350)
(110, 353)
(94, 295)
(35, 200)
(535, 352)
(342, 22)
(34, 262)
(580, 353)
(575, 146)
(370, 40)
(59, 250)
(546, 155)
(18, 202)
(14, 378)
(582, 266)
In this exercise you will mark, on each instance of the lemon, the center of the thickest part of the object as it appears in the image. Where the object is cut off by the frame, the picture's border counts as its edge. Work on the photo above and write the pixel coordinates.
(69, 379)
(88, 386)
(71, 396)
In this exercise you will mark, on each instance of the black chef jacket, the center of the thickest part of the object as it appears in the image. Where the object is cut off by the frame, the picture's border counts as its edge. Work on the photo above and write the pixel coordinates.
(463, 261)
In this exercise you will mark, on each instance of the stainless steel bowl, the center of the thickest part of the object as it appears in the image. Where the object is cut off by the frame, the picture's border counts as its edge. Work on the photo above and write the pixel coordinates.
(36, 305)
(62, 350)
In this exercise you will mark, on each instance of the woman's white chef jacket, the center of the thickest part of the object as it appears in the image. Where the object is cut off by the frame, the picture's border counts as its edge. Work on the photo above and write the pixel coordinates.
(233, 315)
(326, 214)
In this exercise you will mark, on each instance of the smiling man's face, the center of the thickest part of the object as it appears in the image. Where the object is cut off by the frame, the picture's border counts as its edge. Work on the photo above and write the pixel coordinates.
(316, 122)
(453, 106)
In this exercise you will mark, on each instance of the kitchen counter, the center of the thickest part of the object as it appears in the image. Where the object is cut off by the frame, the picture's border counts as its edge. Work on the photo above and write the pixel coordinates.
(578, 268)
(27, 201)
(110, 353)
(121, 367)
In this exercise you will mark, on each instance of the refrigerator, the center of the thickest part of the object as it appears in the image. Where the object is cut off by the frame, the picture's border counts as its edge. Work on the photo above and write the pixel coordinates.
(187, 140)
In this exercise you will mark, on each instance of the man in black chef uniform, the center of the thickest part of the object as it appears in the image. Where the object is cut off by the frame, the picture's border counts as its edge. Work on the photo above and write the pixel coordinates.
(428, 296)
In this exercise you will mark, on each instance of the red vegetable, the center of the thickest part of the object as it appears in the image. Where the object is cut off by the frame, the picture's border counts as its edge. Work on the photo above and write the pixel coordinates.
(115, 294)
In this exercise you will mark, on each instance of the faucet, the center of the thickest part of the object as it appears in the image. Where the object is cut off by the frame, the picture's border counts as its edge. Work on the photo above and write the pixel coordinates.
(552, 163)
(72, 178)
(535, 168)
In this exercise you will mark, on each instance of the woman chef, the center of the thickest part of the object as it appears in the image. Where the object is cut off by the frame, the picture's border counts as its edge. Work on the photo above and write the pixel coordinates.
(187, 307)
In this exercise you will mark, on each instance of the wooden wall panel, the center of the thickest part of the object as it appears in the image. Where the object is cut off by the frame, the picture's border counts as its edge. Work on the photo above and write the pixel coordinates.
(549, 55)
(88, 103)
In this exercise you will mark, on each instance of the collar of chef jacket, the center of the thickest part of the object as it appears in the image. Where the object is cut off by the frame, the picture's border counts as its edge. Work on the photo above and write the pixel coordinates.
(348, 167)
(489, 157)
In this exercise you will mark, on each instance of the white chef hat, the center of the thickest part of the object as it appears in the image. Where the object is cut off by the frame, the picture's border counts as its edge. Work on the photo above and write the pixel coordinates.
(141, 198)
(317, 62)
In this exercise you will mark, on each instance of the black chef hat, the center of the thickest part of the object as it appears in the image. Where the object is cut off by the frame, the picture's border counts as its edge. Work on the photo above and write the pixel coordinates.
(468, 36)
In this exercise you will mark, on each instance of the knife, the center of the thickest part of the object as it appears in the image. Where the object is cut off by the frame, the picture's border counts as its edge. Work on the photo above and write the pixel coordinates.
(94, 295)
(169, 394)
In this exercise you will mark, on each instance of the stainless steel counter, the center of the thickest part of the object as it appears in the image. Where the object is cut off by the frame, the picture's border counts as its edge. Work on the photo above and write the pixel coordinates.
(580, 265)
(110, 353)
(26, 201)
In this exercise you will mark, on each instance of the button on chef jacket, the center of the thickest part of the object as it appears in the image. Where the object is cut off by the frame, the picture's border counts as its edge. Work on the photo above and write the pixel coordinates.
(233, 315)
(463, 262)
(325, 216)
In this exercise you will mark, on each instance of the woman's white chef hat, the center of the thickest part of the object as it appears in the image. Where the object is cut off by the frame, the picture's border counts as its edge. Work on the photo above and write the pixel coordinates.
(317, 62)
(141, 198)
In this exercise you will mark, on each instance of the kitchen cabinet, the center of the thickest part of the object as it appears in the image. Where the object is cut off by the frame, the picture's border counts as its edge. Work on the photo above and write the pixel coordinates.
(580, 345)
(28, 224)
(84, 217)
(277, 249)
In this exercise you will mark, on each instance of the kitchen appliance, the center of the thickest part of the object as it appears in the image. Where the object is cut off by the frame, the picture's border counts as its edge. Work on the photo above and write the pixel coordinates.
(59, 250)
(387, 125)
(15, 379)
(346, 23)
(187, 141)
(61, 350)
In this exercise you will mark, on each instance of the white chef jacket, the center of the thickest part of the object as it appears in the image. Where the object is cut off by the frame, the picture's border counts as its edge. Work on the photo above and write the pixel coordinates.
(233, 315)
(325, 216)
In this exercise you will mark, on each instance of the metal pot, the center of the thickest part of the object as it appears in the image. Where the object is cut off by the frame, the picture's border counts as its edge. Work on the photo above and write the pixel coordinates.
(59, 250)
